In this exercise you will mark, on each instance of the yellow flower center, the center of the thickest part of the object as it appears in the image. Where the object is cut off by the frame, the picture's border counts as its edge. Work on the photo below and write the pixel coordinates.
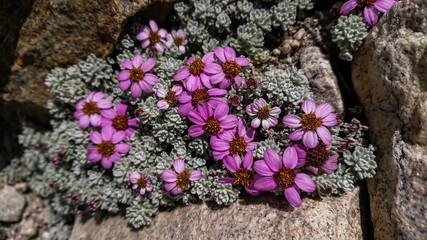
(90, 108)
(199, 95)
(170, 97)
(212, 126)
(238, 145)
(106, 148)
(120, 123)
(317, 156)
(136, 74)
(231, 69)
(263, 113)
(183, 180)
(196, 67)
(311, 122)
(367, 2)
(154, 37)
(243, 177)
(285, 177)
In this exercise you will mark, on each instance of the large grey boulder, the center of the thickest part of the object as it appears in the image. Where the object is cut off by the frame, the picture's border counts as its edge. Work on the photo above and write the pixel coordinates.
(12, 204)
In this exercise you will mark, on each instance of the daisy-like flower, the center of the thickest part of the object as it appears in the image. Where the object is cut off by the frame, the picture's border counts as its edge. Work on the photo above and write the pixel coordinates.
(263, 113)
(107, 146)
(88, 110)
(197, 74)
(312, 123)
(137, 77)
(179, 180)
(169, 97)
(178, 38)
(118, 119)
(231, 67)
(189, 100)
(371, 8)
(276, 173)
(234, 142)
(242, 174)
(141, 182)
(153, 37)
(318, 157)
(213, 122)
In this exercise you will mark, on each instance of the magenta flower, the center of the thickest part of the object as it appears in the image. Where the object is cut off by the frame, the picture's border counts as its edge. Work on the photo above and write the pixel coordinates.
(178, 38)
(89, 109)
(169, 97)
(118, 119)
(241, 174)
(318, 157)
(141, 182)
(275, 173)
(107, 146)
(231, 67)
(371, 8)
(137, 76)
(197, 74)
(189, 100)
(153, 37)
(234, 142)
(213, 122)
(312, 123)
(178, 180)
(252, 83)
(263, 113)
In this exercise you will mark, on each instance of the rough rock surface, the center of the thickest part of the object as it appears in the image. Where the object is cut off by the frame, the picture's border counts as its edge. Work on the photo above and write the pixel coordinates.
(390, 76)
(12, 204)
(264, 217)
(322, 78)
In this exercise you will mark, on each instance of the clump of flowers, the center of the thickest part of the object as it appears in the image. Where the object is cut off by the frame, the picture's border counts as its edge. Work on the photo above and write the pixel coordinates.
(371, 8)
(179, 180)
(141, 182)
(263, 114)
(88, 110)
(152, 36)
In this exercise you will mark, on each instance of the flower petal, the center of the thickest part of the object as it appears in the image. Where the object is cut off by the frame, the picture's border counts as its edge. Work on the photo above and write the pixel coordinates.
(106, 163)
(182, 74)
(104, 103)
(212, 68)
(150, 79)
(195, 175)
(98, 96)
(176, 191)
(219, 53)
(290, 157)
(109, 113)
(170, 185)
(348, 6)
(96, 137)
(230, 54)
(384, 5)
(195, 130)
(255, 122)
(242, 61)
(330, 120)
(127, 64)
(226, 180)
(148, 64)
(94, 156)
(107, 133)
(137, 60)
(179, 165)
(297, 135)
(118, 137)
(292, 195)
(230, 163)
(124, 85)
(196, 118)
(265, 184)
(221, 111)
(135, 90)
(252, 190)
(370, 15)
(228, 122)
(122, 148)
(310, 139)
(95, 120)
(248, 160)
(169, 175)
(162, 104)
(272, 160)
(304, 182)
(323, 110)
(134, 176)
(262, 168)
(330, 165)
(324, 134)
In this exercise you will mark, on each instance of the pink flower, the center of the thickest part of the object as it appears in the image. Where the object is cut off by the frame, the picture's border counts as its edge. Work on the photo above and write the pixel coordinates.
(371, 8)
(318, 157)
(87, 110)
(234, 142)
(252, 83)
(179, 38)
(137, 76)
(178, 180)
(275, 173)
(141, 182)
(213, 122)
(153, 37)
(169, 97)
(231, 67)
(189, 100)
(118, 119)
(241, 174)
(263, 113)
(312, 123)
(197, 74)
(107, 146)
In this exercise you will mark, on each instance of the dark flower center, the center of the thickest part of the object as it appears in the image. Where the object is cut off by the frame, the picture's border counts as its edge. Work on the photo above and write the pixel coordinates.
(178, 41)
(263, 113)
(212, 126)
(252, 83)
(170, 97)
(317, 156)
(311, 122)
(154, 37)
(142, 182)
(243, 177)
(199, 95)
(238, 145)
(120, 123)
(136, 74)
(183, 180)
(285, 177)
(367, 2)
(231, 69)
(234, 100)
(90, 108)
(196, 67)
(106, 148)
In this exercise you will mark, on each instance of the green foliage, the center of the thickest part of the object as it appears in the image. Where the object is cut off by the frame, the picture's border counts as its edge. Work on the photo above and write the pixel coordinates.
(349, 34)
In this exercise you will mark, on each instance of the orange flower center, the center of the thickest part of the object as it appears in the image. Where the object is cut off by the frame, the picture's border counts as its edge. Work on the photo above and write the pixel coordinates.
(317, 156)
(183, 180)
(196, 67)
(285, 177)
(120, 123)
(136, 74)
(367, 2)
(231, 69)
(238, 145)
(212, 126)
(199, 95)
(90, 108)
(170, 97)
(243, 177)
(154, 37)
(311, 122)
(142, 182)
(263, 113)
(106, 148)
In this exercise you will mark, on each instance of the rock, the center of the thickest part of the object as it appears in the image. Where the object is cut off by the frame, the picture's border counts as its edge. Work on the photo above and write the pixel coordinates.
(265, 217)
(390, 76)
(12, 204)
(322, 79)
(21, 187)
(28, 228)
